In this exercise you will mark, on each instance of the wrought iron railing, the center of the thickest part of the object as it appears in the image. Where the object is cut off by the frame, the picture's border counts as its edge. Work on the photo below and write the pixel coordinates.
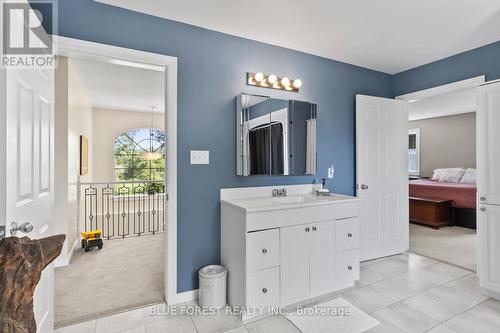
(122, 208)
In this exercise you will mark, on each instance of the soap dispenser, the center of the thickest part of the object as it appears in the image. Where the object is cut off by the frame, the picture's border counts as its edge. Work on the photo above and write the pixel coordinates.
(323, 190)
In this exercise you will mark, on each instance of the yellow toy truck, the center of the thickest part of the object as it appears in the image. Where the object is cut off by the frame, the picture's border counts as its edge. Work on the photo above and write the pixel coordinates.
(91, 238)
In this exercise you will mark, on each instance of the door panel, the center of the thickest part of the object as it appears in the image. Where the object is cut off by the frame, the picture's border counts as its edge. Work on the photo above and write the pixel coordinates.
(294, 251)
(29, 165)
(382, 175)
(323, 259)
(488, 154)
(489, 247)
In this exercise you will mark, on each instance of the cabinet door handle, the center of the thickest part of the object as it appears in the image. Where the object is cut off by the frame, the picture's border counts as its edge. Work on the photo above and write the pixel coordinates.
(483, 209)
(349, 268)
(264, 251)
(314, 229)
(349, 235)
(307, 229)
(264, 290)
(482, 198)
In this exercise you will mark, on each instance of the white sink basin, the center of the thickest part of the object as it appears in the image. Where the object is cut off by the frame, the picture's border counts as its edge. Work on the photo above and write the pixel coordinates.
(291, 201)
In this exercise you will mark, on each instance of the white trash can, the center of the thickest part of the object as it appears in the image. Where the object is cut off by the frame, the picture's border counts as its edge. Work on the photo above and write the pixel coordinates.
(212, 286)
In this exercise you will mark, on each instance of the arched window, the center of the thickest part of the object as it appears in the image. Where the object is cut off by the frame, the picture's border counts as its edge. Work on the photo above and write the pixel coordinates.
(130, 147)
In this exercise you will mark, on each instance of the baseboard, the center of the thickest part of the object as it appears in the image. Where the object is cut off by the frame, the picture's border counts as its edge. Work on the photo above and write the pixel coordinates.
(186, 296)
(63, 261)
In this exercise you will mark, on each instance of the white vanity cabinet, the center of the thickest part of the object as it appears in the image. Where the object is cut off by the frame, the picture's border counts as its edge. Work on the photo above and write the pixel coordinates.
(279, 251)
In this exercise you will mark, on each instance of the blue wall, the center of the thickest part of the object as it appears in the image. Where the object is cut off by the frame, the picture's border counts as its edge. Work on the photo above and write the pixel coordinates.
(483, 60)
(212, 71)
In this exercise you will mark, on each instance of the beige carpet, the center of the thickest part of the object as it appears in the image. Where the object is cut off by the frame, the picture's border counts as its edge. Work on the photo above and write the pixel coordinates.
(454, 245)
(125, 274)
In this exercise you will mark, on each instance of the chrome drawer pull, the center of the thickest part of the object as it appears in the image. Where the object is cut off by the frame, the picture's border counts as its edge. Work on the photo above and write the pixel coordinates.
(307, 229)
(314, 228)
(264, 251)
(483, 209)
(264, 290)
(349, 235)
(482, 198)
(349, 268)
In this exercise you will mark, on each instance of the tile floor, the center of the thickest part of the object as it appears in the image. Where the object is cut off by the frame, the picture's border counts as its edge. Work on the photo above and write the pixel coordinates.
(405, 293)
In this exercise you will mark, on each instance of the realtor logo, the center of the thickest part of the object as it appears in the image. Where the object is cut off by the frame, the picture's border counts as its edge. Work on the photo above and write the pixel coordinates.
(25, 43)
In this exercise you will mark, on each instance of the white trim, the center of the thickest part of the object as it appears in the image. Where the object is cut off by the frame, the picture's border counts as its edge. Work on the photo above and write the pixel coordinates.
(444, 89)
(79, 48)
(416, 131)
(62, 261)
(186, 296)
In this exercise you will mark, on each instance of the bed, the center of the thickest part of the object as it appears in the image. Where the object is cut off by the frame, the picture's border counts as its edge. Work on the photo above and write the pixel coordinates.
(461, 195)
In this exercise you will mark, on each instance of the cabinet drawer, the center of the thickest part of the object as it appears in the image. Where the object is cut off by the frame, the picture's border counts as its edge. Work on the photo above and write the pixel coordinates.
(347, 231)
(263, 249)
(348, 266)
(263, 288)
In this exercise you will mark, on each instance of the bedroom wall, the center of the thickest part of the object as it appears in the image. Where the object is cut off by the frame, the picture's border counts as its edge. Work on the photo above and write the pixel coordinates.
(446, 142)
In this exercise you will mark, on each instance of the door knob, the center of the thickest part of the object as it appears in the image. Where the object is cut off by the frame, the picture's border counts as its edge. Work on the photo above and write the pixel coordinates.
(364, 186)
(25, 228)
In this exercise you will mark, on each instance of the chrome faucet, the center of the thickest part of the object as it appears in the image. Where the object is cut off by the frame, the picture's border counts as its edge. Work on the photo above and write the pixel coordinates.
(279, 192)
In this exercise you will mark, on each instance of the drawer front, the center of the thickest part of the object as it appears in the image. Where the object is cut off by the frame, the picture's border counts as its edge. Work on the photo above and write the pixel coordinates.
(348, 266)
(263, 288)
(347, 231)
(263, 249)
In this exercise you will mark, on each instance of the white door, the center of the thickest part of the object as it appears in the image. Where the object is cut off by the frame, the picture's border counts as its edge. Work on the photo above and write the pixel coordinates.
(488, 187)
(488, 136)
(322, 257)
(294, 256)
(29, 167)
(382, 175)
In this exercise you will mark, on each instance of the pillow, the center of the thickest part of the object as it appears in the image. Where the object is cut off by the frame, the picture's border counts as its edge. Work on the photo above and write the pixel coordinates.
(437, 174)
(469, 176)
(451, 175)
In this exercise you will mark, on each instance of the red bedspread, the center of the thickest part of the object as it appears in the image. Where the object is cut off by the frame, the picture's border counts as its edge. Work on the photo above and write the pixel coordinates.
(462, 195)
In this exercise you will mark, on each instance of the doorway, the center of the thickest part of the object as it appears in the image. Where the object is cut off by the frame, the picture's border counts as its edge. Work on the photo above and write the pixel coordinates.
(131, 197)
(390, 151)
(442, 172)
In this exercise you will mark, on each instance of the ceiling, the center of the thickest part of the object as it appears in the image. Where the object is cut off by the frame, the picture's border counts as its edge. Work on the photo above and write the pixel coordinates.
(385, 35)
(122, 87)
(449, 104)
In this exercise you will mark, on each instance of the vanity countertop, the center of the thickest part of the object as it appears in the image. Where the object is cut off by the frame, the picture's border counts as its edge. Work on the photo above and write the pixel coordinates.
(259, 204)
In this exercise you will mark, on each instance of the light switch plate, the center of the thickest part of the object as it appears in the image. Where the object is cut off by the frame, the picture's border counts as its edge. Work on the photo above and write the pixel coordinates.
(200, 157)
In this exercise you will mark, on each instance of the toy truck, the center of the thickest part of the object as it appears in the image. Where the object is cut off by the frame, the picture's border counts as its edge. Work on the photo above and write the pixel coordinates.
(91, 238)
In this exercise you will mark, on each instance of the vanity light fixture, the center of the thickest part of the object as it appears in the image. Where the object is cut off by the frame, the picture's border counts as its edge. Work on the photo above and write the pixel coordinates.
(273, 82)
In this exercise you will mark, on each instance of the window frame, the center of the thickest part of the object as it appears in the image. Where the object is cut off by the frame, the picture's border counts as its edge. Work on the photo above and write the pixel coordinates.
(416, 132)
(135, 154)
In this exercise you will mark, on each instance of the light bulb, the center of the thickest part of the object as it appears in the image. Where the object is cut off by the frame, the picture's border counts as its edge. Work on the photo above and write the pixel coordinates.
(251, 81)
(258, 76)
(285, 81)
(272, 79)
(297, 83)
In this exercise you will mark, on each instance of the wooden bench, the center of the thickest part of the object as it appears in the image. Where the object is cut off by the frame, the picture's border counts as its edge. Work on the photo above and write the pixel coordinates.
(434, 213)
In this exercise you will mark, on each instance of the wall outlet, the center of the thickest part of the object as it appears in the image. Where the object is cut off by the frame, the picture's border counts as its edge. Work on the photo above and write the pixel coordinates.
(331, 170)
(200, 157)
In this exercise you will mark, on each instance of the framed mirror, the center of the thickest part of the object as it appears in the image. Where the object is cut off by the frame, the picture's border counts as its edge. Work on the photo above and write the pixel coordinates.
(275, 136)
